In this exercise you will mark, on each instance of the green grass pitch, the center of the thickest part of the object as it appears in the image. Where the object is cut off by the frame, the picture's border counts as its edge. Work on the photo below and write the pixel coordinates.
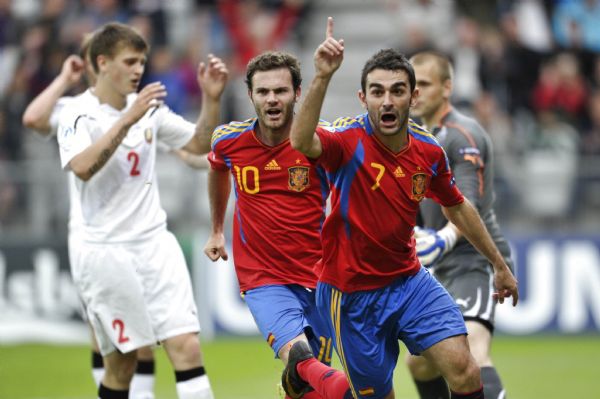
(532, 368)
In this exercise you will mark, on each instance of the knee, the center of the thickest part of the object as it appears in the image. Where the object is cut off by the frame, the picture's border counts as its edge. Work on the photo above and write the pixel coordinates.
(122, 371)
(466, 375)
(184, 351)
(420, 368)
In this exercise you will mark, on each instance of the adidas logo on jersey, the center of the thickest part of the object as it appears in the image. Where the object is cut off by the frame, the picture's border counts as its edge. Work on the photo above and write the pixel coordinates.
(398, 172)
(273, 165)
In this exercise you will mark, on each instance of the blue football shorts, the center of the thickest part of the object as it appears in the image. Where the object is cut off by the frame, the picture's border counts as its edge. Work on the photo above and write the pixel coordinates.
(283, 312)
(366, 326)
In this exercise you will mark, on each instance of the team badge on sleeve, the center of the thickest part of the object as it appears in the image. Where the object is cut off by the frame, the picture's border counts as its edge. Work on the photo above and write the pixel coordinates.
(148, 135)
(419, 186)
(298, 178)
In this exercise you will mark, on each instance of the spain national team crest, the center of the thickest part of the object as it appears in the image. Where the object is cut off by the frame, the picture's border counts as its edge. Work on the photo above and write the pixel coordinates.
(298, 178)
(419, 186)
(148, 135)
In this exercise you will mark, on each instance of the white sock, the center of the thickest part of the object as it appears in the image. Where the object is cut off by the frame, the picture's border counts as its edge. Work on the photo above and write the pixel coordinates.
(97, 374)
(142, 386)
(195, 388)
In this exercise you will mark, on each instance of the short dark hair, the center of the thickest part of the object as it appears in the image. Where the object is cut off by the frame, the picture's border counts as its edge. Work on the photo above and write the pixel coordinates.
(388, 60)
(111, 38)
(271, 60)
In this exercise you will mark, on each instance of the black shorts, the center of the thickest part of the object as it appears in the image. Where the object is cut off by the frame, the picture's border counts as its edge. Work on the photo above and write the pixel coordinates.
(472, 292)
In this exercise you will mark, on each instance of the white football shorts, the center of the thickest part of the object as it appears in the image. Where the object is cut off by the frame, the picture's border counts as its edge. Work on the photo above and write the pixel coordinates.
(135, 294)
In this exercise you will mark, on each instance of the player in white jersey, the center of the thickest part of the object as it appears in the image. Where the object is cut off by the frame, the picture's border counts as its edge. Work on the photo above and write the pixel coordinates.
(131, 272)
(41, 115)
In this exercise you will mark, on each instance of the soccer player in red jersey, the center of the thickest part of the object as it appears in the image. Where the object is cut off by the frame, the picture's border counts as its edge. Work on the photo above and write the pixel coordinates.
(280, 207)
(372, 287)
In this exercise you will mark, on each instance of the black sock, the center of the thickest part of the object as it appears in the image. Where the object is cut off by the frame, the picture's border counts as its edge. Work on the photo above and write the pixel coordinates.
(145, 367)
(97, 361)
(189, 374)
(433, 389)
(107, 393)
(478, 394)
(492, 386)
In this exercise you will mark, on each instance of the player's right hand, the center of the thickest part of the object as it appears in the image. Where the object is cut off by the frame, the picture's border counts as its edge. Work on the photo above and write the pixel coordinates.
(72, 69)
(329, 55)
(150, 96)
(215, 247)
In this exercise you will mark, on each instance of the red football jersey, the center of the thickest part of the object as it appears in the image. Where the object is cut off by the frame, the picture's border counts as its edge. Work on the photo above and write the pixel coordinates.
(368, 237)
(280, 207)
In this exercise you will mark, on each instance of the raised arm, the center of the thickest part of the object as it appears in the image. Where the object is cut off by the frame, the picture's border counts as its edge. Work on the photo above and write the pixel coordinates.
(38, 112)
(212, 78)
(219, 187)
(87, 163)
(466, 218)
(328, 58)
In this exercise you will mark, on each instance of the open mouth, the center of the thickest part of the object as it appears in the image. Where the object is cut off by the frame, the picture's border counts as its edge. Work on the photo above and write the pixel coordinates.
(388, 118)
(274, 113)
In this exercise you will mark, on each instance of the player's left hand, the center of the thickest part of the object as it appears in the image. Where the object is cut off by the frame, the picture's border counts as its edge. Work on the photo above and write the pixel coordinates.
(212, 77)
(506, 285)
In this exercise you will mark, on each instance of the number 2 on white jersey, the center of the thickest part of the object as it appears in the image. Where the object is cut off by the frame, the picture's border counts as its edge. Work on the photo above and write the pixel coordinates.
(134, 158)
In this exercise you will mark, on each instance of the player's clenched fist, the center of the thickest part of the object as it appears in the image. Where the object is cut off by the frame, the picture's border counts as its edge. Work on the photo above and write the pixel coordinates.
(215, 247)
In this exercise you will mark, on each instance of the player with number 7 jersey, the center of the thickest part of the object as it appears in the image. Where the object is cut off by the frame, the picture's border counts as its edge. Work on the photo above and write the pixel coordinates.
(367, 177)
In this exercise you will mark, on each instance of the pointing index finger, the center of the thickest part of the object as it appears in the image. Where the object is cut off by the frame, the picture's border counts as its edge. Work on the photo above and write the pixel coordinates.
(329, 28)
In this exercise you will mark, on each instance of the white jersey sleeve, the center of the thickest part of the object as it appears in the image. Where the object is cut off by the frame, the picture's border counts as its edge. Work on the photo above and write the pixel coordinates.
(56, 111)
(173, 132)
(74, 133)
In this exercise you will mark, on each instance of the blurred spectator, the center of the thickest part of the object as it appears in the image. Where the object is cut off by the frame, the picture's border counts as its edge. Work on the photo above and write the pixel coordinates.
(493, 68)
(575, 24)
(590, 142)
(550, 168)
(561, 88)
(153, 11)
(533, 26)
(8, 191)
(255, 26)
(423, 24)
(104, 11)
(522, 64)
(467, 60)
(506, 156)
(162, 67)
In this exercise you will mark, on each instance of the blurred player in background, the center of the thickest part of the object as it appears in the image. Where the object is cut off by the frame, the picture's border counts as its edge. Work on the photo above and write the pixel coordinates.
(130, 271)
(461, 269)
(372, 287)
(280, 207)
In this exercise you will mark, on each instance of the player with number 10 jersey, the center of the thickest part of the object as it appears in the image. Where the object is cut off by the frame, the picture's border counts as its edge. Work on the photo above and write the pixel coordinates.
(279, 208)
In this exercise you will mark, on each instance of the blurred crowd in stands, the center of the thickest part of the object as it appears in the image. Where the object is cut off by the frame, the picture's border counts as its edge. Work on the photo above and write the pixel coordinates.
(528, 70)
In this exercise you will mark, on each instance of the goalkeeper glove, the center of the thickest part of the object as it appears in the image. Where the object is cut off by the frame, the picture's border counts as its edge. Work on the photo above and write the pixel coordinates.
(432, 245)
